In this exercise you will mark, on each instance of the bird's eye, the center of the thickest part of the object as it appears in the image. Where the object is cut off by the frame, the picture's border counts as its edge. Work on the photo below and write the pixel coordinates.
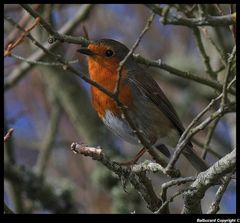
(109, 53)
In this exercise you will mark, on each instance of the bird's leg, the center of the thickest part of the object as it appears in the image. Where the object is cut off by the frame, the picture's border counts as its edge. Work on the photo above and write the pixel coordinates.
(134, 160)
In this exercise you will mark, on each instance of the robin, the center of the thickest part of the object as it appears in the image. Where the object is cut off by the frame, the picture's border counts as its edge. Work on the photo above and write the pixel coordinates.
(147, 105)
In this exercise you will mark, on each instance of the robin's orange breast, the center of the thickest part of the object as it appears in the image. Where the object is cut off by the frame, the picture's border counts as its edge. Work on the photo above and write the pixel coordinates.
(105, 74)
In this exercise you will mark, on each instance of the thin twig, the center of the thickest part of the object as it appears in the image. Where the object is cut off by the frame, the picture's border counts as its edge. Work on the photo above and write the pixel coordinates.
(21, 38)
(15, 32)
(192, 131)
(51, 31)
(213, 42)
(214, 207)
(8, 134)
(218, 7)
(225, 20)
(209, 137)
(178, 181)
(199, 116)
(165, 203)
(22, 69)
(234, 19)
(203, 53)
(201, 145)
(225, 83)
(14, 191)
(201, 10)
(135, 45)
(180, 73)
(41, 62)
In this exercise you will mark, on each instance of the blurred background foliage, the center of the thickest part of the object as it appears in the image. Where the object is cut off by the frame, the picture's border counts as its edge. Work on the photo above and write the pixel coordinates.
(50, 108)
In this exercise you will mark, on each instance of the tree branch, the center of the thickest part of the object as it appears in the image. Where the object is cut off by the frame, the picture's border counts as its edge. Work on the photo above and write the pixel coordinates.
(8, 134)
(15, 76)
(148, 165)
(163, 207)
(134, 46)
(192, 199)
(61, 37)
(183, 142)
(139, 180)
(203, 53)
(22, 69)
(224, 108)
(15, 193)
(180, 73)
(42, 63)
(137, 175)
(7, 210)
(225, 20)
(47, 146)
(37, 189)
(209, 137)
(214, 208)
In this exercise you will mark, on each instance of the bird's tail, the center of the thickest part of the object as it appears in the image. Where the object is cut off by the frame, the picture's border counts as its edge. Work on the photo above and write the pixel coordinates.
(198, 163)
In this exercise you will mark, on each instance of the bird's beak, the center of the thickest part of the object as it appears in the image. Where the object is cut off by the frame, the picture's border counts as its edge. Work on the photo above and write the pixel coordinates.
(86, 51)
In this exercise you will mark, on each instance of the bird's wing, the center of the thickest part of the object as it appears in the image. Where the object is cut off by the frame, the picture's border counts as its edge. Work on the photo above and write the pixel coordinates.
(150, 89)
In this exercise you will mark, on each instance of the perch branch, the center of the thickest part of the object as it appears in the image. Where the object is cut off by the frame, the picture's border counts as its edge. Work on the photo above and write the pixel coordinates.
(192, 199)
(139, 181)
